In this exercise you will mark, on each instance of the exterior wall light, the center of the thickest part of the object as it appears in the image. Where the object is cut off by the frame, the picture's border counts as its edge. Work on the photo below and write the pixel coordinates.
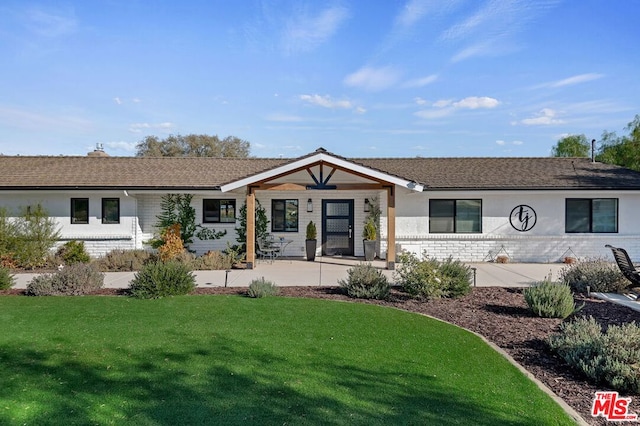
(367, 205)
(309, 205)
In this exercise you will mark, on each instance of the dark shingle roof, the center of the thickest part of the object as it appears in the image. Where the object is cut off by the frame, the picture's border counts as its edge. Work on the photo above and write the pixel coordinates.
(507, 173)
(210, 173)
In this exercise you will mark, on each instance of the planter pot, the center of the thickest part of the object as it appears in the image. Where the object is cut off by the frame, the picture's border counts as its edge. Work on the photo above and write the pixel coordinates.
(569, 260)
(310, 246)
(369, 250)
(502, 259)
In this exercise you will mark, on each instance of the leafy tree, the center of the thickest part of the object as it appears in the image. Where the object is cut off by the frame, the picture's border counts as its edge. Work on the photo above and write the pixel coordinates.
(193, 146)
(624, 150)
(28, 238)
(572, 146)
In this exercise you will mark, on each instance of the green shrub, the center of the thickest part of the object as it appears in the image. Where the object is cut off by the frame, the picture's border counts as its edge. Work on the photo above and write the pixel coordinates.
(262, 288)
(160, 279)
(366, 282)
(431, 279)
(550, 300)
(418, 277)
(6, 279)
(456, 276)
(125, 260)
(598, 274)
(73, 252)
(72, 280)
(611, 358)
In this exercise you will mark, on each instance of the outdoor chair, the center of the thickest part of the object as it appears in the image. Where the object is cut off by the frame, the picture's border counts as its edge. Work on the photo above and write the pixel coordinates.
(626, 266)
(266, 251)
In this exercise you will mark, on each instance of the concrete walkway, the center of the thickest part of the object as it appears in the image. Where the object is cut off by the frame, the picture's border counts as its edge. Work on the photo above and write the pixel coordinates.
(327, 271)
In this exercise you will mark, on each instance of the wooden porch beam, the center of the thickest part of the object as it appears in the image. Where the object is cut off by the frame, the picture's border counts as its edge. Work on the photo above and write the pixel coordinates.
(339, 187)
(391, 228)
(251, 227)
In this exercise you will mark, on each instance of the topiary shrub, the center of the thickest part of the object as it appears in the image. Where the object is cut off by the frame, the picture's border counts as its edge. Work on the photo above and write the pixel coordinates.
(611, 358)
(262, 288)
(597, 274)
(366, 282)
(162, 279)
(125, 260)
(456, 278)
(72, 280)
(73, 252)
(550, 300)
(7, 280)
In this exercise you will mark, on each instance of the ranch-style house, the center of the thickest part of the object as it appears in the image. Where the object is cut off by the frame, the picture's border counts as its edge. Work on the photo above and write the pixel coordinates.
(473, 209)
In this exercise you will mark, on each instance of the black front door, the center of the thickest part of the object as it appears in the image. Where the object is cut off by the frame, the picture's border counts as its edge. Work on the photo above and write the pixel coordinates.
(337, 227)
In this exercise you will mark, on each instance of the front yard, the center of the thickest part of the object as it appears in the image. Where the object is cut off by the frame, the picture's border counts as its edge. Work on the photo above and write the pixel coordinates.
(236, 360)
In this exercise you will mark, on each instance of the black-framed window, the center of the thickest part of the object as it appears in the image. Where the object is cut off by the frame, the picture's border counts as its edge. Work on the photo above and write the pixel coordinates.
(110, 210)
(284, 215)
(455, 216)
(591, 215)
(218, 211)
(79, 210)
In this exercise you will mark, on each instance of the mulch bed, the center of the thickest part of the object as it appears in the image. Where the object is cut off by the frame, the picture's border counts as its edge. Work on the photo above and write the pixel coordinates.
(501, 316)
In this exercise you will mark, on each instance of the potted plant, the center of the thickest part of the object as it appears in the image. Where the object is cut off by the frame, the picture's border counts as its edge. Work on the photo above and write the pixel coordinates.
(369, 234)
(311, 242)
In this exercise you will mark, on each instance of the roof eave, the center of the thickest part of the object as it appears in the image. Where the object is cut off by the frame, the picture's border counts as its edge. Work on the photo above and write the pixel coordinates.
(321, 158)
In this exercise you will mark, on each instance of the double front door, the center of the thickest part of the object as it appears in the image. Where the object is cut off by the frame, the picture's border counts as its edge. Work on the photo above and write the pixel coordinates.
(337, 227)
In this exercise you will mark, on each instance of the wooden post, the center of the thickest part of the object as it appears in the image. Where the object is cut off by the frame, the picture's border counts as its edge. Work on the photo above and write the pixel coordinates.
(391, 228)
(251, 228)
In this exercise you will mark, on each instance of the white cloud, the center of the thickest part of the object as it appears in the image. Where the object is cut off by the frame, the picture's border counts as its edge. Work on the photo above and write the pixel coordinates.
(360, 110)
(420, 82)
(545, 117)
(420, 101)
(445, 107)
(503, 143)
(576, 79)
(474, 102)
(442, 103)
(492, 28)
(122, 146)
(412, 12)
(117, 100)
(304, 33)
(326, 102)
(373, 79)
(139, 127)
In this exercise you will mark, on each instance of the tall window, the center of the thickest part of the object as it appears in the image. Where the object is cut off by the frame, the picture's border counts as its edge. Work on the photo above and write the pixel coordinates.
(110, 210)
(455, 216)
(593, 215)
(284, 216)
(218, 211)
(79, 210)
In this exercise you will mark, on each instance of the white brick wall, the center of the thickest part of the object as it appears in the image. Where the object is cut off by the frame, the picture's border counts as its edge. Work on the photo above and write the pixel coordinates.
(546, 242)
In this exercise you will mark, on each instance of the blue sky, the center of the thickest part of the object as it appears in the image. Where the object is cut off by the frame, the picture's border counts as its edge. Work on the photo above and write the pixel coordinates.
(361, 78)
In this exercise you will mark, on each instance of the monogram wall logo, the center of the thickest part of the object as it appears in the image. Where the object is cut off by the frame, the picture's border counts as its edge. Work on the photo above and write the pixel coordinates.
(523, 218)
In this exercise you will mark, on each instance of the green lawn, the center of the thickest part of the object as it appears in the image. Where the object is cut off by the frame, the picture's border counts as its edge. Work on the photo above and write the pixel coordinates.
(235, 360)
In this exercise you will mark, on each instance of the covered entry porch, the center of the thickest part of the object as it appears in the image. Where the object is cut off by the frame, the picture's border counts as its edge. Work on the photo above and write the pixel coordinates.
(334, 193)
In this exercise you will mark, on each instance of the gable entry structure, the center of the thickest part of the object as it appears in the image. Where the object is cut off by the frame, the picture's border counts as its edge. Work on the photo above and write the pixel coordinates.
(318, 177)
